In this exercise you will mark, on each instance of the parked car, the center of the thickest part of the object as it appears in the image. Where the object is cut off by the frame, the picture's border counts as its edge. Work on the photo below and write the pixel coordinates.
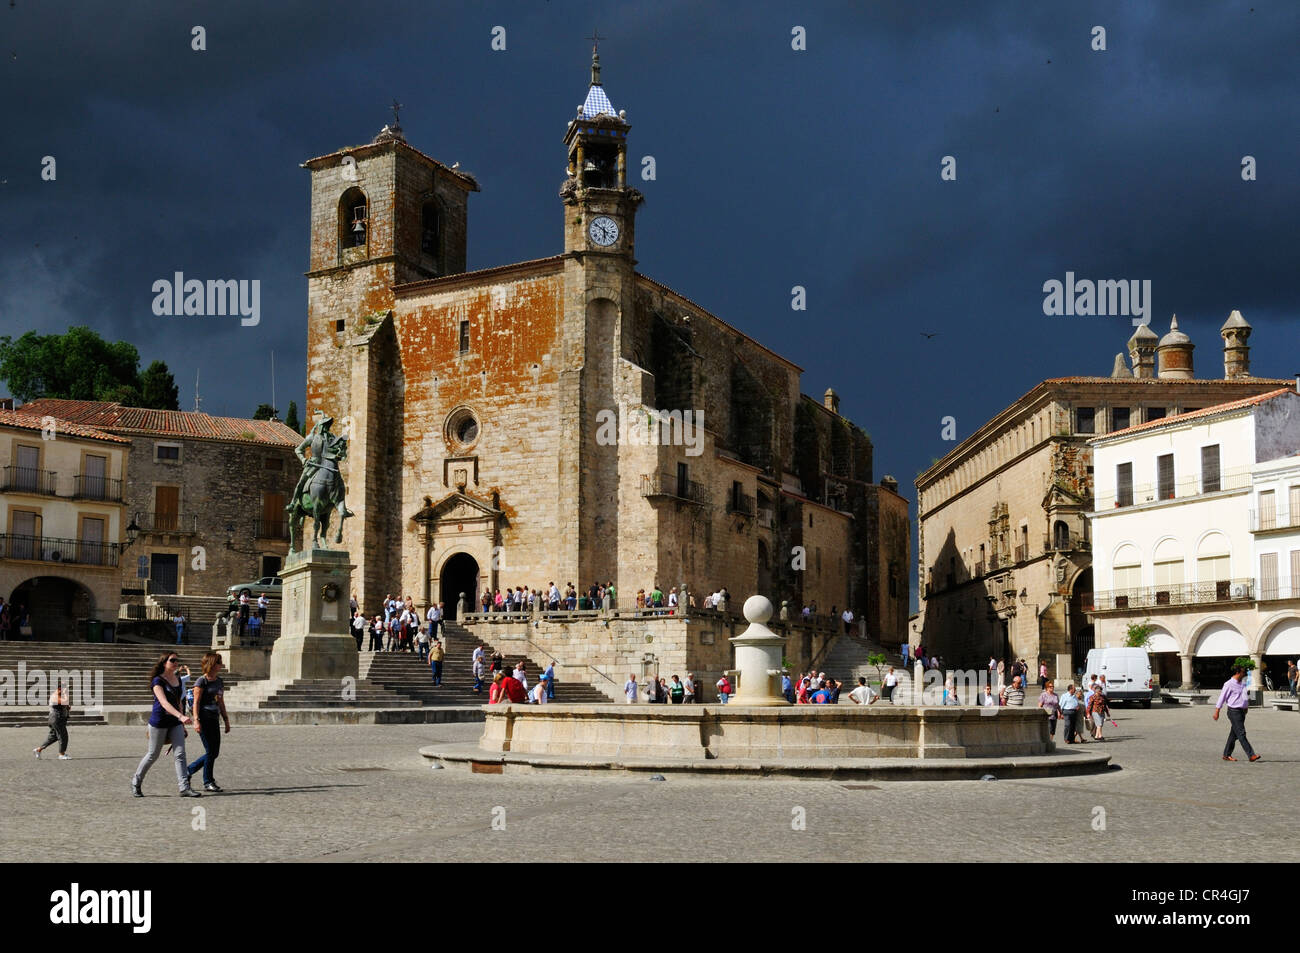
(1127, 671)
(267, 584)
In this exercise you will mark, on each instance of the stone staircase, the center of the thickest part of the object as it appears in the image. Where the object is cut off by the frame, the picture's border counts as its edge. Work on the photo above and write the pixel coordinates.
(122, 667)
(847, 660)
(201, 611)
(458, 678)
(316, 693)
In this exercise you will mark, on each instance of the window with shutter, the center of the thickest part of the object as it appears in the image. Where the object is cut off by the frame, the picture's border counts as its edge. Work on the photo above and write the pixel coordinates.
(1165, 476)
(1210, 469)
(1268, 576)
(1124, 484)
(1293, 501)
(1295, 573)
(1267, 509)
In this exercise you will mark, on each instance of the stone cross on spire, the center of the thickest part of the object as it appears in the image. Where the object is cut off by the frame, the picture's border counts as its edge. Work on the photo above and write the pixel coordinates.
(395, 107)
(595, 57)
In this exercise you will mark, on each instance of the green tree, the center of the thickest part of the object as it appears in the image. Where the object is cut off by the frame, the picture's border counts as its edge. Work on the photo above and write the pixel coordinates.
(1139, 634)
(291, 418)
(878, 660)
(78, 365)
(265, 412)
(158, 390)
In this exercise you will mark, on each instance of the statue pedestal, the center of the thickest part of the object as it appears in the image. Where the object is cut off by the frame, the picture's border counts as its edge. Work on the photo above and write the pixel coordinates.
(315, 638)
(758, 657)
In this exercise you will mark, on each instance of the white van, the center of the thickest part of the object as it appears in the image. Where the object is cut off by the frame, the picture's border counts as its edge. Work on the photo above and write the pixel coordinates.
(1127, 671)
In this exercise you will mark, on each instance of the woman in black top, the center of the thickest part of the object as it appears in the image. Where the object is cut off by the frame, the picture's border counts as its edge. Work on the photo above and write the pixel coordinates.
(209, 705)
(59, 708)
(166, 724)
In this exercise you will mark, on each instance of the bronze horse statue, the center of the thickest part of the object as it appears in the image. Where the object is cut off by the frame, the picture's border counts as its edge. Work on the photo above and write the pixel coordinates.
(320, 491)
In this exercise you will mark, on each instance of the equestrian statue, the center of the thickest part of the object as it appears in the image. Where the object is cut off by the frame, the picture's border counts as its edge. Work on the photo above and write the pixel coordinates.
(320, 489)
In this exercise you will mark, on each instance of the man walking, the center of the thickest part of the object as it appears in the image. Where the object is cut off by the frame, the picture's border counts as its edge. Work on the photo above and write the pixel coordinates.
(436, 654)
(630, 689)
(891, 682)
(1234, 697)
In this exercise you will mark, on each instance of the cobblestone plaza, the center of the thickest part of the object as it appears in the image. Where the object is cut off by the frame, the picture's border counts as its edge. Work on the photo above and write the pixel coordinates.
(363, 793)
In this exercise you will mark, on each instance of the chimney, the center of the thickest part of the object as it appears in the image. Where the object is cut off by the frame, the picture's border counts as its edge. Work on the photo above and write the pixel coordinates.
(1174, 354)
(1236, 352)
(831, 401)
(1142, 351)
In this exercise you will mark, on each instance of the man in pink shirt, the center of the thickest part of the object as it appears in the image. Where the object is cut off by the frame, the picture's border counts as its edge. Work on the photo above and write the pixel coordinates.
(1237, 702)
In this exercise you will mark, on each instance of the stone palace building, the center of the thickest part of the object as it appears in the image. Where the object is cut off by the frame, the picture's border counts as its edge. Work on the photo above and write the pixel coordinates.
(1005, 552)
(568, 418)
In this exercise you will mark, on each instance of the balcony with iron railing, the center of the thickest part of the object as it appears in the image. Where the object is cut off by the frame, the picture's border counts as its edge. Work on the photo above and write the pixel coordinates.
(98, 488)
(666, 486)
(1066, 543)
(1283, 588)
(166, 523)
(740, 503)
(1174, 594)
(1237, 478)
(50, 549)
(1267, 521)
(29, 480)
(272, 529)
(1022, 552)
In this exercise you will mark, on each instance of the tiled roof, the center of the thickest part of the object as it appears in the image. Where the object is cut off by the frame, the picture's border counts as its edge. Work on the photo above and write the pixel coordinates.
(597, 103)
(1212, 411)
(16, 418)
(164, 423)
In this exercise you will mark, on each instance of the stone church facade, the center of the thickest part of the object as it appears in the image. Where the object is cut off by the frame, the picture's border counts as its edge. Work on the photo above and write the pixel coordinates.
(568, 418)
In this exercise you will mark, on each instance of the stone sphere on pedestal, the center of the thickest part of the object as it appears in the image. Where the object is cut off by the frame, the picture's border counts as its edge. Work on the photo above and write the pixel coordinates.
(758, 609)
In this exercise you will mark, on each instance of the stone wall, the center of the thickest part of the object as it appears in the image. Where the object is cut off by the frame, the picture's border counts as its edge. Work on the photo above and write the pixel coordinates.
(603, 655)
(221, 483)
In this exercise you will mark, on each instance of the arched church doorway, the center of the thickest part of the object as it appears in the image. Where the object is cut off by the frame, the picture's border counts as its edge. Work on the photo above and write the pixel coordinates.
(459, 574)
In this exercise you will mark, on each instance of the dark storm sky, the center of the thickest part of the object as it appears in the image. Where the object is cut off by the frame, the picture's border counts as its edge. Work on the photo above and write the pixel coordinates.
(775, 168)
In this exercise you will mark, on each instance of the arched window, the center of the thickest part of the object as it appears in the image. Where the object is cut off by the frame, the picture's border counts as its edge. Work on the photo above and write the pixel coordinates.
(1060, 535)
(354, 219)
(431, 230)
(1127, 574)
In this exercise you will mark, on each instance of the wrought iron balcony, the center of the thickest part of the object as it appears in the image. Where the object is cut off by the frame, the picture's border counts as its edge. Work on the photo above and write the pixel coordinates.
(272, 529)
(49, 549)
(1283, 588)
(665, 486)
(740, 503)
(1195, 484)
(29, 480)
(1178, 594)
(1266, 521)
(1066, 543)
(98, 488)
(167, 523)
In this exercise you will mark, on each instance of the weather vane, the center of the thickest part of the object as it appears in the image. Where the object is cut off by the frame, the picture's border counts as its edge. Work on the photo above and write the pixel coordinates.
(395, 107)
(595, 41)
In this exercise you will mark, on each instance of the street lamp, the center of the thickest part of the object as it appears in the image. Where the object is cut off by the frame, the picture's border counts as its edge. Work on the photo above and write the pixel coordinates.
(132, 533)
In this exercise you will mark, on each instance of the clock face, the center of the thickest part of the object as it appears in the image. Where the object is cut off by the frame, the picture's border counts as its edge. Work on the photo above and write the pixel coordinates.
(603, 231)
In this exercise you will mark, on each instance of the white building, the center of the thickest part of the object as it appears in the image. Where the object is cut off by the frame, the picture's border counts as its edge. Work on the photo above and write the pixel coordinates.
(1275, 527)
(1173, 541)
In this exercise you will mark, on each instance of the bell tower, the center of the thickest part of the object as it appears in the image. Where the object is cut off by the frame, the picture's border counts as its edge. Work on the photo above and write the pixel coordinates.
(599, 324)
(599, 207)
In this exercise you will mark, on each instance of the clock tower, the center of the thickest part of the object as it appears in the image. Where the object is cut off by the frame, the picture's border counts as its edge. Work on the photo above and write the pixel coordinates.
(599, 337)
(599, 207)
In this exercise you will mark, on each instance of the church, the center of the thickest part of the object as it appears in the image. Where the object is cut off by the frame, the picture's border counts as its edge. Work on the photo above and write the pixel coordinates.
(476, 405)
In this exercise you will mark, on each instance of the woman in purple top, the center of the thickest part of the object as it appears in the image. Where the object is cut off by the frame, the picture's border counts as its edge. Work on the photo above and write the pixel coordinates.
(1049, 701)
(166, 725)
